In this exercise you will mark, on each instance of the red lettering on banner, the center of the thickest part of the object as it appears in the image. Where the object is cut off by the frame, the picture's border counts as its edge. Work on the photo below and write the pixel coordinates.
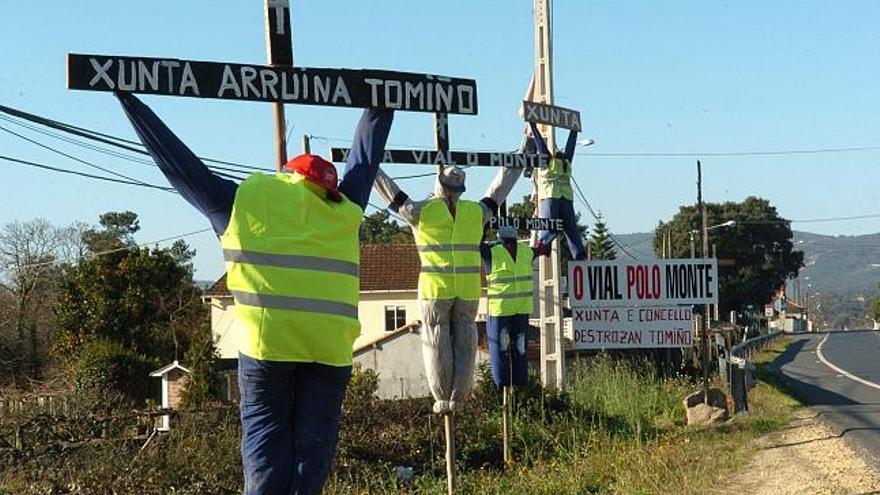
(578, 282)
(630, 280)
(645, 280)
(655, 281)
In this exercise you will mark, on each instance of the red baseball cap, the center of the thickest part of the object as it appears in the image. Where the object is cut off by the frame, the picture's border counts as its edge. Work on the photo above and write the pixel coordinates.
(318, 171)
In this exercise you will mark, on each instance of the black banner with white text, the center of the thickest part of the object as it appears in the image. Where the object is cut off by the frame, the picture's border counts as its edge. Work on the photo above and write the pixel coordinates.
(469, 158)
(299, 85)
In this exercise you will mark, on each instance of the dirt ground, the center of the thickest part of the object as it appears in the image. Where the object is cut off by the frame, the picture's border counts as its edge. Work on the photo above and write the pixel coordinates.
(805, 458)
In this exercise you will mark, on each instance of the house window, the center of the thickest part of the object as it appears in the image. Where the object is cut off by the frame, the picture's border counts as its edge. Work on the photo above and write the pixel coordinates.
(395, 317)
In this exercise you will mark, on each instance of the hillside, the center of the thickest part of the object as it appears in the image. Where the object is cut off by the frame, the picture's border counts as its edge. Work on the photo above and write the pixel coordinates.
(835, 264)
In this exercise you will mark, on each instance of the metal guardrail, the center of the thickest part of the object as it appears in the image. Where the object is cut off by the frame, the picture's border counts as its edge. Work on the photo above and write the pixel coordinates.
(748, 348)
(739, 369)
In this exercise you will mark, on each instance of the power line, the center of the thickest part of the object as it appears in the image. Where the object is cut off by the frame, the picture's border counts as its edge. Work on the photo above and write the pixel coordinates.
(66, 155)
(416, 176)
(614, 239)
(669, 154)
(100, 149)
(76, 142)
(126, 248)
(83, 174)
(737, 153)
(109, 139)
(389, 212)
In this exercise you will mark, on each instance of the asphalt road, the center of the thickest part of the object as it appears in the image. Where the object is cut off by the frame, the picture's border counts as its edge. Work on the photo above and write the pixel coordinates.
(838, 375)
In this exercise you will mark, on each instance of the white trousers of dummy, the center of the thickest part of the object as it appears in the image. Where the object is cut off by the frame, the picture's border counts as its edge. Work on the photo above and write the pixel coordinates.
(449, 350)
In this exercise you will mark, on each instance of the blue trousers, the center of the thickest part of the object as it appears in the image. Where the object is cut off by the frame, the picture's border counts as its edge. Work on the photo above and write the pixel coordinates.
(507, 349)
(290, 423)
(564, 209)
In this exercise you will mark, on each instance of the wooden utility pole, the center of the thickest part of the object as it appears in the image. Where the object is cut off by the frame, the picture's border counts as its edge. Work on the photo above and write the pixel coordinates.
(279, 46)
(704, 329)
(549, 287)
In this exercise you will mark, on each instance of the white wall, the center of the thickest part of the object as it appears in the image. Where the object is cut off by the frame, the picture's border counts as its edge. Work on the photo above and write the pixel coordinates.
(400, 366)
(371, 313)
(222, 323)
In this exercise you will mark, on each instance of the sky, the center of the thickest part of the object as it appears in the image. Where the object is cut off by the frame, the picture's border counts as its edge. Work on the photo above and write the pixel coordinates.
(692, 77)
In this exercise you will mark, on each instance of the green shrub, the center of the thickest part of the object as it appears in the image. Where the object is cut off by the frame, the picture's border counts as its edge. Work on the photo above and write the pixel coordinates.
(203, 385)
(105, 367)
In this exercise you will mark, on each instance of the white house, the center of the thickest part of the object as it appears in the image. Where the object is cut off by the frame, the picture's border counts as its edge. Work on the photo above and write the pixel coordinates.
(389, 315)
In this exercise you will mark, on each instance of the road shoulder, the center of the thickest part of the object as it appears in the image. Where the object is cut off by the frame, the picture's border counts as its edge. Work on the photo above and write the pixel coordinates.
(807, 456)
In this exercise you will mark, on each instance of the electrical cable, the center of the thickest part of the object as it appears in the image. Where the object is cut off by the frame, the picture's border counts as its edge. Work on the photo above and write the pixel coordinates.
(126, 248)
(736, 153)
(84, 162)
(668, 154)
(389, 212)
(116, 141)
(114, 153)
(614, 239)
(83, 174)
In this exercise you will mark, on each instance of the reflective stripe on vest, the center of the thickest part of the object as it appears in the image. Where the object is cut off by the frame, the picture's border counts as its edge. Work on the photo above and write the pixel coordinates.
(510, 281)
(450, 250)
(292, 260)
(555, 180)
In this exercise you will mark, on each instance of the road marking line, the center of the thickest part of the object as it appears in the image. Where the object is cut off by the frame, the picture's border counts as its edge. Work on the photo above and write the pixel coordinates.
(841, 370)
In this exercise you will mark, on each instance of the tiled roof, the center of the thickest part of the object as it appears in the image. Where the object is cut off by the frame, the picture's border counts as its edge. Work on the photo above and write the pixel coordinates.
(389, 267)
(217, 289)
(383, 267)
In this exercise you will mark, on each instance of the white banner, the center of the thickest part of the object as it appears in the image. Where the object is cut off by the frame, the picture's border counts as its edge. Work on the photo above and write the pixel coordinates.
(621, 283)
(631, 328)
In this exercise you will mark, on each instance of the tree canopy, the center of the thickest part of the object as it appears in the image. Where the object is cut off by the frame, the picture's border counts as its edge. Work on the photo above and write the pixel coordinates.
(141, 300)
(380, 228)
(759, 247)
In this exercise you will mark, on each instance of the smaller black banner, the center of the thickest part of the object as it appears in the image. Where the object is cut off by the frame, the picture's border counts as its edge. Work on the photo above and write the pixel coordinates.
(540, 113)
(527, 223)
(470, 158)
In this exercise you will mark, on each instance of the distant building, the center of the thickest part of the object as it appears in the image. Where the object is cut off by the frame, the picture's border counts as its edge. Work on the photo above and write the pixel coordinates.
(787, 315)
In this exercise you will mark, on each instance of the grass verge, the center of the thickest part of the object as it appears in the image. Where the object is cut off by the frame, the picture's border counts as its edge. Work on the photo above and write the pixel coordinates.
(623, 432)
(618, 428)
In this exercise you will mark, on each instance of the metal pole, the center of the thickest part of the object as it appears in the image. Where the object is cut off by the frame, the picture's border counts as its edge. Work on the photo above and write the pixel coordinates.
(307, 145)
(449, 428)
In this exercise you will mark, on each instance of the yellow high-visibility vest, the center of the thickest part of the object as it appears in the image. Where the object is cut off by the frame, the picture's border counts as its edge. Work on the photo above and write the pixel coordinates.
(510, 281)
(292, 264)
(450, 250)
(555, 180)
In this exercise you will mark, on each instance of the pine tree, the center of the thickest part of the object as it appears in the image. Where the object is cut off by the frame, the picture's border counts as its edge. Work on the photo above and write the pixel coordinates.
(600, 244)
